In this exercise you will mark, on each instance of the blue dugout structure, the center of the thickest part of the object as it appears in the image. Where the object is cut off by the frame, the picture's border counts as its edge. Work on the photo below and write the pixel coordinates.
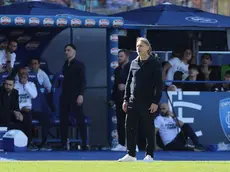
(35, 24)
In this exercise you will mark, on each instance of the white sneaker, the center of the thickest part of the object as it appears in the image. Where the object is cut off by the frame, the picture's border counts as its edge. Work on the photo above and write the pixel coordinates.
(119, 148)
(137, 149)
(148, 158)
(127, 158)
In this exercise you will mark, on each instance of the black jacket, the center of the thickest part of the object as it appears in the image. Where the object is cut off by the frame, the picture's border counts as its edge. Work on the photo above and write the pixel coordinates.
(120, 77)
(9, 102)
(74, 79)
(144, 83)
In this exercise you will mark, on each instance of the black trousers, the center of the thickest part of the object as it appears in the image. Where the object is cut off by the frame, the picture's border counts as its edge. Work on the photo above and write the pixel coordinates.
(138, 113)
(121, 116)
(180, 141)
(66, 110)
(8, 119)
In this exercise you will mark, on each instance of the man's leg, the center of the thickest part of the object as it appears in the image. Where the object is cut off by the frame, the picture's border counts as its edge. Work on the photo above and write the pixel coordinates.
(148, 129)
(78, 110)
(132, 119)
(45, 122)
(64, 110)
(5, 117)
(178, 144)
(188, 132)
(121, 115)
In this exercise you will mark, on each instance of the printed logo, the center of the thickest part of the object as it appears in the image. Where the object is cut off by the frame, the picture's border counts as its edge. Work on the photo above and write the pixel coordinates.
(5, 20)
(197, 19)
(76, 22)
(19, 21)
(48, 22)
(114, 119)
(114, 134)
(32, 45)
(118, 23)
(180, 105)
(114, 64)
(34, 21)
(114, 37)
(224, 115)
(90, 22)
(114, 51)
(24, 38)
(61, 22)
(112, 78)
(42, 33)
(103, 23)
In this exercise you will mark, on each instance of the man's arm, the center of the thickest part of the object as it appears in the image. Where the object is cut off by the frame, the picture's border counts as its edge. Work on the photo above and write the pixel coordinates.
(82, 80)
(127, 86)
(15, 95)
(46, 82)
(158, 81)
(31, 89)
(115, 86)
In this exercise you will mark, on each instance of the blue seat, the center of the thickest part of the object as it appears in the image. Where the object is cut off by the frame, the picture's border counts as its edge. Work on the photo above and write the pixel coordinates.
(3, 76)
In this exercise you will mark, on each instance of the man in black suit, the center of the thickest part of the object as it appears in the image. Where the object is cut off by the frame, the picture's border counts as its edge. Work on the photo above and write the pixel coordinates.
(71, 99)
(9, 105)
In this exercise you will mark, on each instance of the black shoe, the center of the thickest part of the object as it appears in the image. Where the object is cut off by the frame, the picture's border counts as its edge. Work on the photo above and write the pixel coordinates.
(85, 148)
(45, 147)
(32, 147)
(199, 147)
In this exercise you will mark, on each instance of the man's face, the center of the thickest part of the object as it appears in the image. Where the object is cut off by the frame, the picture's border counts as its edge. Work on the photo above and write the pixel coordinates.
(12, 46)
(35, 65)
(164, 108)
(227, 77)
(206, 60)
(122, 58)
(69, 52)
(9, 85)
(23, 76)
(188, 54)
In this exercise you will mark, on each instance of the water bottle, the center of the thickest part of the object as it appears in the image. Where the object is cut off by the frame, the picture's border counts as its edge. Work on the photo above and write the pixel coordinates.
(68, 145)
(114, 143)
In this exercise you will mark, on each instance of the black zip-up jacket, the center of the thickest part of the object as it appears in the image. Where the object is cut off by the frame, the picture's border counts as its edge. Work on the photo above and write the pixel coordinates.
(120, 77)
(74, 79)
(144, 83)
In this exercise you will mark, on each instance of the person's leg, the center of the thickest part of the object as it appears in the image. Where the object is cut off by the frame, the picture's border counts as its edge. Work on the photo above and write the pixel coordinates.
(121, 115)
(5, 117)
(45, 122)
(131, 124)
(148, 128)
(178, 144)
(78, 110)
(64, 110)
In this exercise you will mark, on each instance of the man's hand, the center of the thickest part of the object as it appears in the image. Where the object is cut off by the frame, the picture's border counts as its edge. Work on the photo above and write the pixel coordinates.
(121, 87)
(18, 115)
(153, 108)
(25, 109)
(124, 106)
(80, 100)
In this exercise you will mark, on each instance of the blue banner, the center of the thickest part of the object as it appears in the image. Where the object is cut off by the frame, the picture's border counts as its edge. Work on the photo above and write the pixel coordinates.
(61, 21)
(112, 55)
(224, 114)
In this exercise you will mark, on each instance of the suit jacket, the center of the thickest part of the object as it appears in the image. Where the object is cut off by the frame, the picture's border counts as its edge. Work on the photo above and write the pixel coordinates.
(10, 102)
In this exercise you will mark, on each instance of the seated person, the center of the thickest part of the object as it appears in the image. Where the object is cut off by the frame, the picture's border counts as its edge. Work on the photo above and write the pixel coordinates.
(9, 106)
(176, 86)
(28, 91)
(8, 57)
(174, 133)
(223, 87)
(42, 77)
(190, 86)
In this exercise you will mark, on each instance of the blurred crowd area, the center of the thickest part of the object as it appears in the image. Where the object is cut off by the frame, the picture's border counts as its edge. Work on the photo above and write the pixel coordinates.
(115, 6)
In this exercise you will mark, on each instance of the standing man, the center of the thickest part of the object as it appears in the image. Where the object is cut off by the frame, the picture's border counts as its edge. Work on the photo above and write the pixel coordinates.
(120, 77)
(142, 94)
(71, 99)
